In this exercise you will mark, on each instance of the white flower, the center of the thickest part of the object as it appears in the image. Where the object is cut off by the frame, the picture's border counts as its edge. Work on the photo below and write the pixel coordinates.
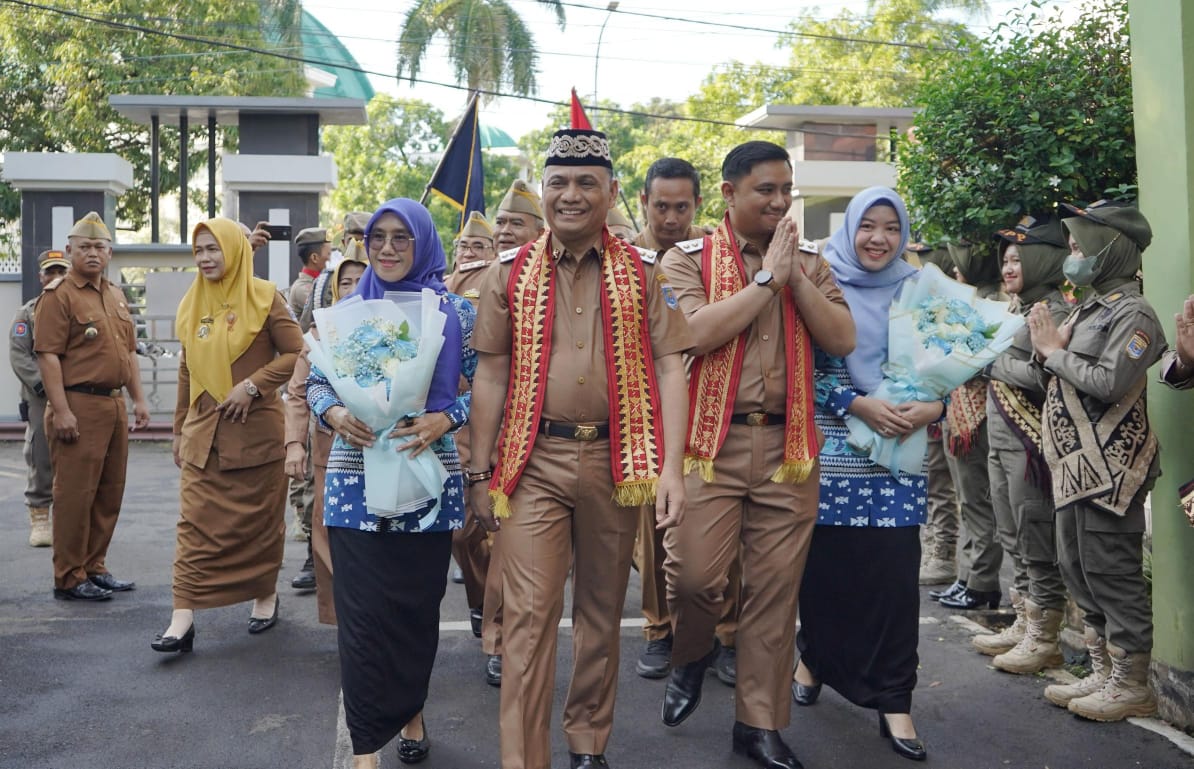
(1054, 180)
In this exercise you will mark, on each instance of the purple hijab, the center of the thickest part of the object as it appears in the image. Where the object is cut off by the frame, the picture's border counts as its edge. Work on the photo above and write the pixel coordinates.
(427, 271)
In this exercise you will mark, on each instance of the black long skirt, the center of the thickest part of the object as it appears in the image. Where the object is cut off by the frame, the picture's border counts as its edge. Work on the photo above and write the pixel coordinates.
(387, 590)
(860, 613)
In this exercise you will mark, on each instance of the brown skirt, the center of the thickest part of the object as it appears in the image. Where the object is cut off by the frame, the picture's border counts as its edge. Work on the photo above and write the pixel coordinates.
(230, 534)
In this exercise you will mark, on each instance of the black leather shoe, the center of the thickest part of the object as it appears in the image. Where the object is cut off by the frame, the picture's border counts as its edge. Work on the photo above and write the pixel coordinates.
(84, 591)
(108, 582)
(805, 695)
(257, 625)
(584, 759)
(957, 587)
(493, 670)
(683, 692)
(169, 643)
(414, 751)
(726, 665)
(913, 748)
(765, 747)
(656, 659)
(973, 599)
(306, 576)
(477, 619)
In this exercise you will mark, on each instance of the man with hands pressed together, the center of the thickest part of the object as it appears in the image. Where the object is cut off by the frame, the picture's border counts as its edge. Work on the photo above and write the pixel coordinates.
(756, 306)
(579, 342)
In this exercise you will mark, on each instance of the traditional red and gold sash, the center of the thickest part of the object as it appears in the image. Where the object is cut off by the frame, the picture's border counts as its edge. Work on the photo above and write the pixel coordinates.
(635, 429)
(713, 383)
(964, 416)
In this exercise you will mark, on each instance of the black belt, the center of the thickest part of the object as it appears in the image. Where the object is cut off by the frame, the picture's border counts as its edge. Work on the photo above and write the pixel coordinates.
(106, 392)
(758, 419)
(574, 432)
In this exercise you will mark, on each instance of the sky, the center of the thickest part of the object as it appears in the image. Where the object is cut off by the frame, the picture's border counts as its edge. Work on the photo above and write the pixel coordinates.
(640, 58)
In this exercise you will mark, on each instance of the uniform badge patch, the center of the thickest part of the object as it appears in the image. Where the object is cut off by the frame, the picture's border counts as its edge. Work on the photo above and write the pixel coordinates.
(472, 293)
(666, 290)
(1137, 345)
(20, 328)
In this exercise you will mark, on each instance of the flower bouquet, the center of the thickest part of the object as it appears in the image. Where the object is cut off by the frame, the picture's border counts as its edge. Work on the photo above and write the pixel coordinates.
(939, 335)
(379, 356)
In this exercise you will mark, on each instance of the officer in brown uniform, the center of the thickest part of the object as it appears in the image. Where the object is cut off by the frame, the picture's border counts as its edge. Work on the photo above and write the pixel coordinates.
(671, 196)
(756, 306)
(579, 342)
(1103, 454)
(314, 250)
(39, 484)
(85, 346)
(519, 217)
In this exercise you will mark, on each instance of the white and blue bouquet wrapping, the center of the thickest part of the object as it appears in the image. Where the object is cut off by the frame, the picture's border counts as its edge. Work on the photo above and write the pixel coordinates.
(379, 356)
(940, 334)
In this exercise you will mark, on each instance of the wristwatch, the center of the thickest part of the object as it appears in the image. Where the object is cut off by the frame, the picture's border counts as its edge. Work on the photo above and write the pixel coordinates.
(251, 389)
(765, 279)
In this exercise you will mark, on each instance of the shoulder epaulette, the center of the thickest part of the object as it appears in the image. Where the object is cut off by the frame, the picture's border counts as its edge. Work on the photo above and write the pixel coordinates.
(691, 246)
(509, 254)
(470, 266)
(53, 284)
(647, 255)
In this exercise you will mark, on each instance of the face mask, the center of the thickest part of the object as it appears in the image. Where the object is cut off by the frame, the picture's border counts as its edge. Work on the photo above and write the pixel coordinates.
(1079, 270)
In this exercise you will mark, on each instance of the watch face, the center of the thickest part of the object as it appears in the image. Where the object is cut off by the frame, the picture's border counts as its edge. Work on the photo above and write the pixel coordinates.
(763, 277)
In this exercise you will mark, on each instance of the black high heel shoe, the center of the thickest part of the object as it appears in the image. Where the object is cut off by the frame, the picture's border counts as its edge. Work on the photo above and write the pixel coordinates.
(414, 751)
(186, 643)
(257, 625)
(908, 748)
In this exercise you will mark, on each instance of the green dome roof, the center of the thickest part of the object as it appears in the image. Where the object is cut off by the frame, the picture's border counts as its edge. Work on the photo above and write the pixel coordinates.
(321, 45)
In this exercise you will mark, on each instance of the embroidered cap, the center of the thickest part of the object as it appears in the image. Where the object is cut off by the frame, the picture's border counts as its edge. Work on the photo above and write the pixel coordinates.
(51, 258)
(521, 199)
(477, 226)
(578, 147)
(90, 226)
(1118, 215)
(1045, 228)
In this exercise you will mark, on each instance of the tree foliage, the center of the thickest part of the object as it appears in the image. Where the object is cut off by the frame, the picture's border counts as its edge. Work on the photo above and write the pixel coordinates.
(1039, 113)
(57, 71)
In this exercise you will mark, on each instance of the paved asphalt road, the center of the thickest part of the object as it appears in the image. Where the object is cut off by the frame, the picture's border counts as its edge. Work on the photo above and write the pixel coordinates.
(81, 689)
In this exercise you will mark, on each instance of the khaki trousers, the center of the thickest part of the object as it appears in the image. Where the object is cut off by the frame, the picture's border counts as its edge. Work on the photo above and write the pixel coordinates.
(981, 553)
(39, 486)
(491, 614)
(87, 496)
(470, 548)
(941, 527)
(771, 523)
(562, 515)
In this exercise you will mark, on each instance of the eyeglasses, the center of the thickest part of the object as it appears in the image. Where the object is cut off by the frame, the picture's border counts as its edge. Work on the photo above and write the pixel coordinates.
(476, 248)
(401, 241)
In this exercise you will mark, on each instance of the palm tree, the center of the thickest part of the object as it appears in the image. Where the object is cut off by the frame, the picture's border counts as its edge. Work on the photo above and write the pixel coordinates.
(488, 43)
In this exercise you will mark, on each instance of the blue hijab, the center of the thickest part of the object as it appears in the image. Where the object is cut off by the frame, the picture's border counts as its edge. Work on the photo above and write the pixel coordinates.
(427, 271)
(868, 293)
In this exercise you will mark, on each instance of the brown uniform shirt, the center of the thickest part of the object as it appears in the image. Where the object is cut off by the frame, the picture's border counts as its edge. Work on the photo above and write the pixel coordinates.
(90, 329)
(467, 279)
(763, 385)
(576, 379)
(647, 239)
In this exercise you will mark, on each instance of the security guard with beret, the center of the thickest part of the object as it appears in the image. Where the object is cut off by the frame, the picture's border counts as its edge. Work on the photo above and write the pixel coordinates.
(85, 346)
(1103, 453)
(38, 488)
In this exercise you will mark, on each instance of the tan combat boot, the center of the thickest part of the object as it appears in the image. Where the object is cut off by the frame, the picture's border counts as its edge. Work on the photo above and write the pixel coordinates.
(1100, 667)
(941, 568)
(1126, 692)
(1039, 648)
(39, 527)
(365, 761)
(998, 643)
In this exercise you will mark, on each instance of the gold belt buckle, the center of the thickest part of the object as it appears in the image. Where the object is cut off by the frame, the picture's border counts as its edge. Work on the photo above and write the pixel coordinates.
(585, 432)
(756, 418)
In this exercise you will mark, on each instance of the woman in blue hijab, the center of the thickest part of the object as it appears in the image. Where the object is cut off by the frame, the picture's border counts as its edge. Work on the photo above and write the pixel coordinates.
(859, 601)
(391, 573)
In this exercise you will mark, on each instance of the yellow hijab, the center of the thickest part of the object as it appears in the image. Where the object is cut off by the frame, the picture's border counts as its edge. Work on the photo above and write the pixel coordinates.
(218, 319)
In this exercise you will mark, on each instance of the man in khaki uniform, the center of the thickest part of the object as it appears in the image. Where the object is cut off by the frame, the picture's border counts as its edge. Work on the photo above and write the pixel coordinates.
(85, 348)
(39, 484)
(314, 250)
(671, 196)
(519, 218)
(752, 446)
(579, 342)
(1103, 454)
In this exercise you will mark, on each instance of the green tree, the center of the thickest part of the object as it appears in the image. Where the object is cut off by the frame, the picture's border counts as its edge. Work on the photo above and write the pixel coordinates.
(1038, 113)
(57, 71)
(489, 44)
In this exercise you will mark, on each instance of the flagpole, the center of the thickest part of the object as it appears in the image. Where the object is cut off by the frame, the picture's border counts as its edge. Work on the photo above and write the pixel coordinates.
(451, 139)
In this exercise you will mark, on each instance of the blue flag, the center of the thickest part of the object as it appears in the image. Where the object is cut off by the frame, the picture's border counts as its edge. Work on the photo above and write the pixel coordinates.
(459, 179)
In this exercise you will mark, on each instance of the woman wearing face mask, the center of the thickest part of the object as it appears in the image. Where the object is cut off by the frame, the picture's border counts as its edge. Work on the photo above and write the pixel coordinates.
(1033, 254)
(1103, 453)
(859, 601)
(239, 346)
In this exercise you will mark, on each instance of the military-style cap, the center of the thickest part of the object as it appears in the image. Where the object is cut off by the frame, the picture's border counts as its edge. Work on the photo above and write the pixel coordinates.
(616, 218)
(52, 258)
(477, 226)
(521, 199)
(355, 252)
(578, 147)
(1045, 228)
(90, 226)
(1118, 215)
(356, 221)
(312, 235)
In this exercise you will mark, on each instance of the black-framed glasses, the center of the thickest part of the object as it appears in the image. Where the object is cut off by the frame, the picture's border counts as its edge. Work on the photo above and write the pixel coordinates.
(401, 241)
